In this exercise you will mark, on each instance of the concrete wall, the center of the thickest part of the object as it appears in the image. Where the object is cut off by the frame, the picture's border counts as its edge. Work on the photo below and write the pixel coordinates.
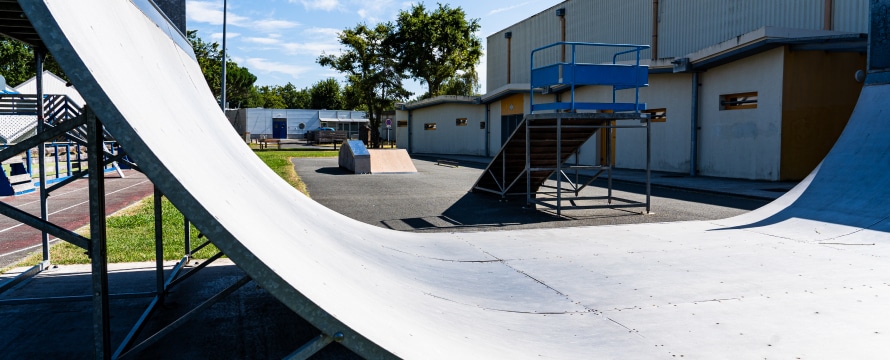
(742, 143)
(448, 138)
(819, 95)
(670, 139)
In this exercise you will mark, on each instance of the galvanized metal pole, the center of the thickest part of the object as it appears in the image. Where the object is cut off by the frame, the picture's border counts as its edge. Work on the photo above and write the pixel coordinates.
(648, 163)
(559, 164)
(188, 238)
(693, 134)
(222, 94)
(39, 56)
(98, 249)
(159, 245)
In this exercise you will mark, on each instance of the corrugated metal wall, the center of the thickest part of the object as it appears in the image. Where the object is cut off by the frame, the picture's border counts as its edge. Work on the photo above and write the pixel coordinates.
(684, 26)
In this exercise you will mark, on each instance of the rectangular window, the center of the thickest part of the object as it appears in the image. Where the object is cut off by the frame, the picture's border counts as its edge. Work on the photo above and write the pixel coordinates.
(656, 115)
(482, 125)
(402, 123)
(738, 101)
(460, 122)
(429, 126)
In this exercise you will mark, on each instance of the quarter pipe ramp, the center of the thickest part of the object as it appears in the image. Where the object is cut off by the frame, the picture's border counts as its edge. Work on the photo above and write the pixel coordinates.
(804, 277)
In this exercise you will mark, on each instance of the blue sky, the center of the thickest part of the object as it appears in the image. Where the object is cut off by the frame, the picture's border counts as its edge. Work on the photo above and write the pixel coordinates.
(279, 40)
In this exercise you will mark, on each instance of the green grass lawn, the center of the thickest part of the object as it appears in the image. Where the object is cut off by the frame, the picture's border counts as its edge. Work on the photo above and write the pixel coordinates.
(130, 232)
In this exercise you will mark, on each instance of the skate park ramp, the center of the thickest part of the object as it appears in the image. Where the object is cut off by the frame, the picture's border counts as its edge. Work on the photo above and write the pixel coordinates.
(391, 161)
(803, 277)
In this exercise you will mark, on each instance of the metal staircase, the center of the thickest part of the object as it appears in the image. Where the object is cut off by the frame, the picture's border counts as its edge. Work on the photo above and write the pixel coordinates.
(548, 137)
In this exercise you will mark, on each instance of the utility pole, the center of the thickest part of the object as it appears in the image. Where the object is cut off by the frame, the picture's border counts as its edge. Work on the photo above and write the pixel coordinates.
(222, 93)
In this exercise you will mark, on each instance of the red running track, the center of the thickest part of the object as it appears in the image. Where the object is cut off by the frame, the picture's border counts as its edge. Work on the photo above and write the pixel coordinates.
(67, 207)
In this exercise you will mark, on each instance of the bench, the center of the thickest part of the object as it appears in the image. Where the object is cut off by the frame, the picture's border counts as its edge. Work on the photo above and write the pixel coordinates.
(451, 163)
(264, 143)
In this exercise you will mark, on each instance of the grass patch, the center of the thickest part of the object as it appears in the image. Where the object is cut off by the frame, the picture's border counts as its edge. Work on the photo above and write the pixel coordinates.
(280, 162)
(131, 236)
(130, 232)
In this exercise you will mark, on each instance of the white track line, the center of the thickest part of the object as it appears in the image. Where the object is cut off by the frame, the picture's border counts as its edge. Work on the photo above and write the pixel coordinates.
(78, 204)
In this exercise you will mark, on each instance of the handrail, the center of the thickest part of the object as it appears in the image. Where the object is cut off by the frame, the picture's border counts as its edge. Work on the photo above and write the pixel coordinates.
(570, 68)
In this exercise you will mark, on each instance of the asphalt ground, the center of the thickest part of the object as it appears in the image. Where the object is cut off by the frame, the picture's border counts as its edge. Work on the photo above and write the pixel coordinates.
(67, 207)
(437, 198)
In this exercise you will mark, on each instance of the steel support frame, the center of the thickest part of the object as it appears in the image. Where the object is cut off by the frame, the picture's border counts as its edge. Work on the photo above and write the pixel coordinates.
(607, 168)
(86, 129)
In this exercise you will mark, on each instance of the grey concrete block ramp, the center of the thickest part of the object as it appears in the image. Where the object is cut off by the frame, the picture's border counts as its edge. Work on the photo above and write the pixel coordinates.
(805, 277)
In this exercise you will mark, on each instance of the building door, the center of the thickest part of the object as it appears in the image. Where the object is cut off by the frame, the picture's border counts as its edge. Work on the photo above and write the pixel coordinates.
(509, 123)
(279, 128)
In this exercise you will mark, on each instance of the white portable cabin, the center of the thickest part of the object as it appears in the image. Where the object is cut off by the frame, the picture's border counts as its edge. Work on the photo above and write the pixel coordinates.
(295, 123)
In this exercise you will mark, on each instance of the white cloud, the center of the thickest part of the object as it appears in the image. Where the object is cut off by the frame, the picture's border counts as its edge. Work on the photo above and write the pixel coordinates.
(326, 5)
(323, 33)
(270, 25)
(508, 8)
(374, 11)
(266, 66)
(312, 48)
(210, 12)
(229, 36)
(262, 40)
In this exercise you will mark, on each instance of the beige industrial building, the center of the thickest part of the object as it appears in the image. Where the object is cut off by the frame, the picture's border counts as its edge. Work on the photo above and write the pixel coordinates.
(776, 83)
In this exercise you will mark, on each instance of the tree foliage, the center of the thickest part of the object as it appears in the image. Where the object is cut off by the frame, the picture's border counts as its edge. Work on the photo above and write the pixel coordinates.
(371, 69)
(293, 98)
(17, 62)
(325, 94)
(239, 80)
(439, 47)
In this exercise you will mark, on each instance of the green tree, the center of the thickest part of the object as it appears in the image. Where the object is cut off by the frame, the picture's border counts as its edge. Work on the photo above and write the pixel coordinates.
(352, 98)
(371, 70)
(435, 47)
(293, 98)
(17, 62)
(239, 80)
(325, 94)
(268, 97)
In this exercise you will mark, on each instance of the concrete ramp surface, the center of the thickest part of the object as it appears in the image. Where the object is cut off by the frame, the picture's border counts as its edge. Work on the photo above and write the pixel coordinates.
(806, 277)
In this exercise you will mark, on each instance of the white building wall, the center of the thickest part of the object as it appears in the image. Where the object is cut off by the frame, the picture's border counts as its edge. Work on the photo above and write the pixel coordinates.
(448, 138)
(494, 132)
(742, 143)
(670, 139)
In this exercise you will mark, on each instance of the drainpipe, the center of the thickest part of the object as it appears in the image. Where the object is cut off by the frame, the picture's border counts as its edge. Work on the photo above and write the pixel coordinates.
(827, 23)
(509, 36)
(693, 151)
(561, 13)
(487, 130)
(654, 47)
(410, 132)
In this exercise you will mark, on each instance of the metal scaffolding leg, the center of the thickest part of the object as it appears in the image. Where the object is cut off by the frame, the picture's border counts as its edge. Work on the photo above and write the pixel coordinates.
(39, 56)
(313, 346)
(98, 248)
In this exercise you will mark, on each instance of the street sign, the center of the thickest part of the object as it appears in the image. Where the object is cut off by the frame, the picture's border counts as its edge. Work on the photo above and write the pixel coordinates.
(388, 123)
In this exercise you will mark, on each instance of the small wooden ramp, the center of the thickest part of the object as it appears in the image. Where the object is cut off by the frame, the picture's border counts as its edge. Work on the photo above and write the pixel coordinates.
(391, 161)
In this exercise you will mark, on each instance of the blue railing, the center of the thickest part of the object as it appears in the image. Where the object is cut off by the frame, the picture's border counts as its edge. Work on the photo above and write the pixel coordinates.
(559, 75)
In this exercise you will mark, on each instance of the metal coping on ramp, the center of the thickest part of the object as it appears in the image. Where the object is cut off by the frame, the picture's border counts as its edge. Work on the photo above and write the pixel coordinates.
(804, 276)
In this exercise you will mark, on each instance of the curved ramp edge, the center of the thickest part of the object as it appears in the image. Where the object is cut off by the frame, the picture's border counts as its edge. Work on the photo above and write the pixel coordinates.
(640, 291)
